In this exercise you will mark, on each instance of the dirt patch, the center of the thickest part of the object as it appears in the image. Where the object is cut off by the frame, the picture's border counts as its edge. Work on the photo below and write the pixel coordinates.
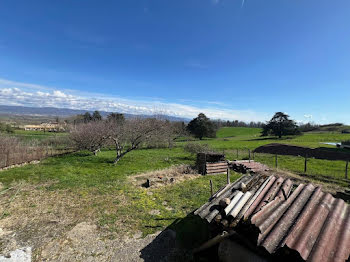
(246, 166)
(33, 215)
(164, 177)
(85, 242)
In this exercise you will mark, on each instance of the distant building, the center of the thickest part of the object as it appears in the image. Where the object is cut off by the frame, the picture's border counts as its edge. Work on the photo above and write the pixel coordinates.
(46, 127)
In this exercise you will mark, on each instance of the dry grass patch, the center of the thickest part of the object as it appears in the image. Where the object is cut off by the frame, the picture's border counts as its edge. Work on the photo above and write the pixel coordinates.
(32, 215)
(171, 175)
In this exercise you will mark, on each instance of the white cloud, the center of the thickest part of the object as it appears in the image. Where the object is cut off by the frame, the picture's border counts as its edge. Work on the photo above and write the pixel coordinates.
(16, 93)
(308, 116)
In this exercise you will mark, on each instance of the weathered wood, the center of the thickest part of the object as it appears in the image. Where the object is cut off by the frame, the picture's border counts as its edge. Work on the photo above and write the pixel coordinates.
(215, 172)
(346, 169)
(223, 171)
(214, 241)
(305, 164)
(205, 161)
(211, 188)
(228, 177)
(217, 163)
(249, 154)
(217, 167)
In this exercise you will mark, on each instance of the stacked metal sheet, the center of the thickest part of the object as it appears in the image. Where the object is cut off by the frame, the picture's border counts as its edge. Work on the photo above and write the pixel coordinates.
(281, 215)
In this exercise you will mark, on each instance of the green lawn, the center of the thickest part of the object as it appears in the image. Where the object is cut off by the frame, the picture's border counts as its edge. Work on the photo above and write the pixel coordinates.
(101, 184)
(119, 205)
(32, 135)
(226, 132)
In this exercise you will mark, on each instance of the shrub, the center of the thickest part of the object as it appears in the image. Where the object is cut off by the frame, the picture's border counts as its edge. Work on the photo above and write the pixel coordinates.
(195, 148)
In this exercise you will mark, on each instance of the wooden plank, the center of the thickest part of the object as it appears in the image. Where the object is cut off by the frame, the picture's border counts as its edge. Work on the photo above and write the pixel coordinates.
(215, 164)
(218, 164)
(216, 171)
(213, 167)
(217, 168)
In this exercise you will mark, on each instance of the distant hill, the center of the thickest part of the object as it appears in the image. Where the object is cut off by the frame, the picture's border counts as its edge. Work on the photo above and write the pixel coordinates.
(61, 112)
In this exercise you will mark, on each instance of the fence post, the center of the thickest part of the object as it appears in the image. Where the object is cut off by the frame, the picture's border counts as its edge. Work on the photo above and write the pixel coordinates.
(205, 164)
(228, 176)
(305, 164)
(249, 154)
(276, 161)
(346, 169)
(7, 158)
(211, 187)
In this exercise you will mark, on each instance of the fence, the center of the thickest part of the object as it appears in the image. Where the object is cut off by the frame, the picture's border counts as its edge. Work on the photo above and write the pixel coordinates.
(334, 169)
(23, 154)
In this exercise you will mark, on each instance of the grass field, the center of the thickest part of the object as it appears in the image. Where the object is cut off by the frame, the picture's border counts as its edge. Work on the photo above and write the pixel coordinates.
(81, 187)
(227, 132)
(39, 135)
(104, 191)
(232, 138)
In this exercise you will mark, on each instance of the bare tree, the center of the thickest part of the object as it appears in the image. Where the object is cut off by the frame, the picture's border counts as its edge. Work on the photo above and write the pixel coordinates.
(89, 136)
(132, 133)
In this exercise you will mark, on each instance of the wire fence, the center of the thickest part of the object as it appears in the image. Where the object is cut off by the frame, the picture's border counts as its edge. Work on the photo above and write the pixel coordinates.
(337, 170)
(21, 154)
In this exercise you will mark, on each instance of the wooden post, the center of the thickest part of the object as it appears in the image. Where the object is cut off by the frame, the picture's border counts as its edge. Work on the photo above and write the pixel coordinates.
(249, 154)
(8, 158)
(205, 164)
(346, 169)
(211, 188)
(228, 176)
(305, 164)
(276, 161)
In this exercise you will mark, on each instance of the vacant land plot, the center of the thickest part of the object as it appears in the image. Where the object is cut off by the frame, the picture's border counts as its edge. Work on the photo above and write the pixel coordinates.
(41, 202)
(79, 192)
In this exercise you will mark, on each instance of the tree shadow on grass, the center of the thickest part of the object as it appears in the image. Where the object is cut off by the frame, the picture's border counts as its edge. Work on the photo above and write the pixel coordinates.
(177, 241)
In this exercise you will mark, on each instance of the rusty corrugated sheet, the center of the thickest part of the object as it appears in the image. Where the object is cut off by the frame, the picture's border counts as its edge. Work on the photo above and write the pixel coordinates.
(309, 221)
(282, 217)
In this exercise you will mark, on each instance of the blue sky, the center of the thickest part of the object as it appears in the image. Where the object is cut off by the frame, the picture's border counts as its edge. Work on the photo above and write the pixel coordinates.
(231, 59)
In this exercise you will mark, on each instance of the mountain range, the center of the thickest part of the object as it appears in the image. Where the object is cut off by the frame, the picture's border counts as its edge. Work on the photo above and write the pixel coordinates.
(63, 112)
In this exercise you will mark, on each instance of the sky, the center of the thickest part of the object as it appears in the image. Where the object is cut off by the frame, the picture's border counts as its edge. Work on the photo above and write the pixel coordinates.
(231, 59)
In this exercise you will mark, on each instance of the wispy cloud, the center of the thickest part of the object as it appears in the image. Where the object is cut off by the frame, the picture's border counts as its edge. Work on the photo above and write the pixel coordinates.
(308, 116)
(17, 93)
(195, 64)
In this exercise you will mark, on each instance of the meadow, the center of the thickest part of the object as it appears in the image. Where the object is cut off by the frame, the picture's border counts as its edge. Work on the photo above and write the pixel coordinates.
(91, 188)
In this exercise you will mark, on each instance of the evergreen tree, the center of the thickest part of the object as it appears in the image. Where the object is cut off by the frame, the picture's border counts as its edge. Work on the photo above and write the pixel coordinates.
(201, 126)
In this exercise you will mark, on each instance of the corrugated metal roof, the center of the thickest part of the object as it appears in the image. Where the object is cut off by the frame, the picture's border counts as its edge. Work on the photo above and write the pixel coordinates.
(279, 216)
